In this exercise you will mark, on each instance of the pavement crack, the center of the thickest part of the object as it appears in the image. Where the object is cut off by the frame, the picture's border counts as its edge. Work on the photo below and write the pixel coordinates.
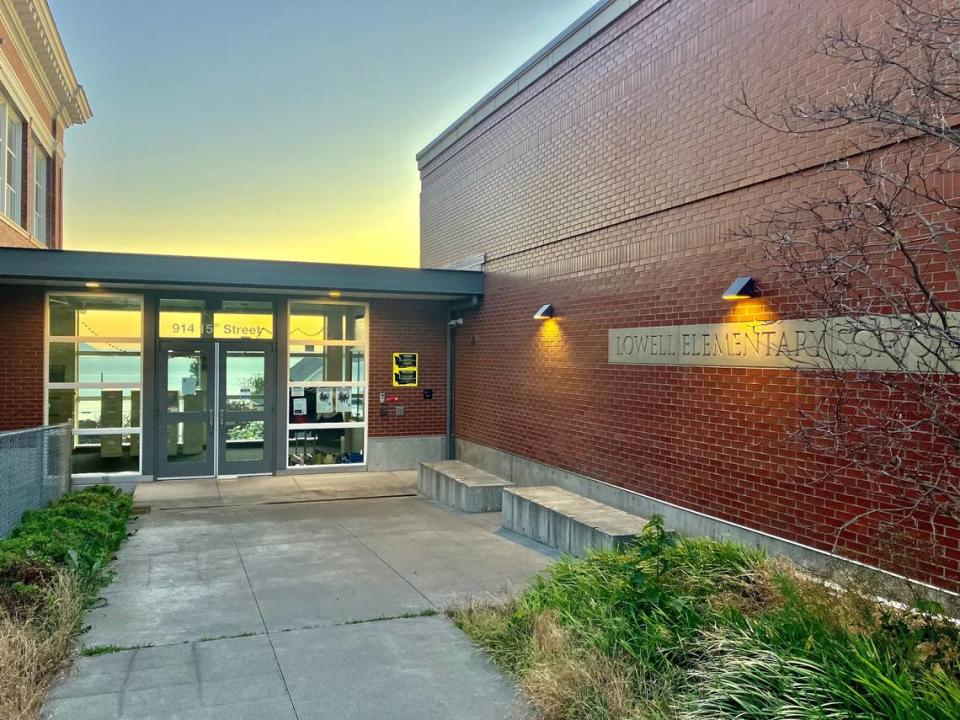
(380, 558)
(256, 600)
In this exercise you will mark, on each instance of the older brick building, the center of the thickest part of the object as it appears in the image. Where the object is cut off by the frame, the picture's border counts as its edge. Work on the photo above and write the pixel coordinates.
(40, 99)
(607, 176)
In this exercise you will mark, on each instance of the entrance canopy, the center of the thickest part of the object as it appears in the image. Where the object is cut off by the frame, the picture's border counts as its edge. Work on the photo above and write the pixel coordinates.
(66, 267)
(184, 367)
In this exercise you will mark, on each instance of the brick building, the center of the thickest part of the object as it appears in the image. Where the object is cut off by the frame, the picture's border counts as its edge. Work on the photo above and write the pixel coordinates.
(39, 99)
(607, 176)
(604, 178)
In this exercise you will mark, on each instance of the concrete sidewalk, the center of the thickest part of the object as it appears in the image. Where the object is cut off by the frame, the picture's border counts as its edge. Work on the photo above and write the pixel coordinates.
(303, 610)
(265, 489)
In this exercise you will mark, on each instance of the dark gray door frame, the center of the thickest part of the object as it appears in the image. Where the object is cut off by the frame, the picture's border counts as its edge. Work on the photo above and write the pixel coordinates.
(164, 416)
(266, 414)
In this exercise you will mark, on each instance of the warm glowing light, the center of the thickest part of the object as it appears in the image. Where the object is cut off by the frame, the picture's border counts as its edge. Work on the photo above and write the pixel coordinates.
(92, 284)
(751, 310)
(335, 293)
(736, 297)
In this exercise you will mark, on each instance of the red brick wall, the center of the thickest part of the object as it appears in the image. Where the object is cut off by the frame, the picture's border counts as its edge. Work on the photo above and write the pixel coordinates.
(610, 188)
(407, 326)
(21, 362)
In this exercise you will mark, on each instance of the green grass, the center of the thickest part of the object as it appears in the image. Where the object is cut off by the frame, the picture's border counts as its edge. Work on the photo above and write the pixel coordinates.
(429, 612)
(701, 630)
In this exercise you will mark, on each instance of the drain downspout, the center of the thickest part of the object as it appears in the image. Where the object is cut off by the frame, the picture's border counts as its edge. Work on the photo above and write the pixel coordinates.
(452, 324)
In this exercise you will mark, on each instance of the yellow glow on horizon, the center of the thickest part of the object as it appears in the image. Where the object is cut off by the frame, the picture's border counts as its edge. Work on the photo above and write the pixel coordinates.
(354, 234)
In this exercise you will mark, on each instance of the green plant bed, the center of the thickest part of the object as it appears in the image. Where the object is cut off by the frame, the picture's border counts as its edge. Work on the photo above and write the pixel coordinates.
(51, 568)
(696, 629)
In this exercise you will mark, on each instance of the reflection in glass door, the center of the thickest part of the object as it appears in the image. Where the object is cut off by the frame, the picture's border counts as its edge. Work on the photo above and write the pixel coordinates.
(185, 429)
(215, 409)
(246, 408)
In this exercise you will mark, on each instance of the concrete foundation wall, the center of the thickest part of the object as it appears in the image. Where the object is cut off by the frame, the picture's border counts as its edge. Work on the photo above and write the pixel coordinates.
(523, 471)
(403, 453)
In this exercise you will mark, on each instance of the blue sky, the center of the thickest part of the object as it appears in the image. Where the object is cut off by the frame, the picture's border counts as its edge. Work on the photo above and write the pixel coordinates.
(282, 129)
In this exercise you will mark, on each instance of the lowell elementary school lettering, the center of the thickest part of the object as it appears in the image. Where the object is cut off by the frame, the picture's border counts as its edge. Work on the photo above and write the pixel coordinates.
(880, 344)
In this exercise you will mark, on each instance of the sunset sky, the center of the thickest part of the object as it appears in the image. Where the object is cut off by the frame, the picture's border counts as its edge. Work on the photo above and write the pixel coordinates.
(281, 130)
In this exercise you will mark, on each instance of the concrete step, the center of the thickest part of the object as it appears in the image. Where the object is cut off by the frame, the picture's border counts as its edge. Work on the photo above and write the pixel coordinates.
(567, 521)
(461, 486)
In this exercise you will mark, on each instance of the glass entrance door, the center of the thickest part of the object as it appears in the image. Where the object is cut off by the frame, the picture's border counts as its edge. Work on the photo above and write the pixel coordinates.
(216, 409)
(246, 409)
(186, 400)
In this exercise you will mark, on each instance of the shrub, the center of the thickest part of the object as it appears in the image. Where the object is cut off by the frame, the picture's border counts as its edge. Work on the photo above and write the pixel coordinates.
(698, 629)
(50, 569)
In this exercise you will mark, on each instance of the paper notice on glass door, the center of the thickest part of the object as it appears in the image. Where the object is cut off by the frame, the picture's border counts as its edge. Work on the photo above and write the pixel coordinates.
(324, 400)
(300, 406)
(188, 386)
(344, 399)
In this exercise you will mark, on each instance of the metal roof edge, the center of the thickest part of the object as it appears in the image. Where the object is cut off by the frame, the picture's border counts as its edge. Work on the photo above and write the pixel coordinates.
(562, 46)
(106, 267)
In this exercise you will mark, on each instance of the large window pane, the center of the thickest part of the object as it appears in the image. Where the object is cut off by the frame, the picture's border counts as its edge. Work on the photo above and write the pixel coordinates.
(240, 326)
(13, 175)
(325, 405)
(314, 322)
(187, 381)
(244, 441)
(227, 320)
(40, 161)
(92, 369)
(107, 316)
(105, 453)
(325, 363)
(88, 408)
(326, 446)
(245, 379)
(61, 406)
(91, 362)
(187, 441)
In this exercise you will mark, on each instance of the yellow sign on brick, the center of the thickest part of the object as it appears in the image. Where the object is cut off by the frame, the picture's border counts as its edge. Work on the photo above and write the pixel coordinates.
(405, 372)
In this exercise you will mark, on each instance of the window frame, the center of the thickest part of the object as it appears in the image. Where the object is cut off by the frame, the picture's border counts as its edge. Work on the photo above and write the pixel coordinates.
(13, 213)
(40, 192)
(364, 345)
(76, 432)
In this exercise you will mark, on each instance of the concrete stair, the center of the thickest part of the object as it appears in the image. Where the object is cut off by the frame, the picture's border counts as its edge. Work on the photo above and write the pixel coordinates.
(461, 486)
(567, 521)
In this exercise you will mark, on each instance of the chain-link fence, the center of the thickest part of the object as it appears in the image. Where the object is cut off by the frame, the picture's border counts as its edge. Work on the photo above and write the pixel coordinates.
(34, 469)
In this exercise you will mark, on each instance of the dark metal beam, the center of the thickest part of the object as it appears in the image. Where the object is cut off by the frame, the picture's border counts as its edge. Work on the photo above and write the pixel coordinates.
(79, 266)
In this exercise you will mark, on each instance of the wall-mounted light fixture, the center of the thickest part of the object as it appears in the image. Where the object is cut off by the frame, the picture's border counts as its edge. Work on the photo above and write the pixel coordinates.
(741, 289)
(544, 312)
(92, 284)
(334, 293)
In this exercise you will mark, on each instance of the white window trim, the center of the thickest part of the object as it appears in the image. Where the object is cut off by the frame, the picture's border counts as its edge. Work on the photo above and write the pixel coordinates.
(39, 224)
(9, 113)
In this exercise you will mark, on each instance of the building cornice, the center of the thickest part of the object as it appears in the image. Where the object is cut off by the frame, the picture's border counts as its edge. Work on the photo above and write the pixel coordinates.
(581, 31)
(47, 59)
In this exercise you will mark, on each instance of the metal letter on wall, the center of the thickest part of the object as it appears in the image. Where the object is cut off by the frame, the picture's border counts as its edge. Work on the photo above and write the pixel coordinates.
(873, 343)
